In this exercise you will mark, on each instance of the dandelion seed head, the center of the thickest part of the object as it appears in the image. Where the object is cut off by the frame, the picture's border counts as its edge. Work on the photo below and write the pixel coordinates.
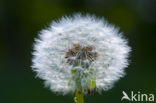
(89, 46)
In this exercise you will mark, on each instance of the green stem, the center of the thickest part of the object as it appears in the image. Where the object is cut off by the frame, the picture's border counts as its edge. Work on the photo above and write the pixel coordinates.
(79, 96)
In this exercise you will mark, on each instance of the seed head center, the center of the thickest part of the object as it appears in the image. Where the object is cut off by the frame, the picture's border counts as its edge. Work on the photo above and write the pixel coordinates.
(81, 55)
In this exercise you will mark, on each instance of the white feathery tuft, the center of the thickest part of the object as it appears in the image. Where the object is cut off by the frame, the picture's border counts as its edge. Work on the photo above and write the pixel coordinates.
(53, 43)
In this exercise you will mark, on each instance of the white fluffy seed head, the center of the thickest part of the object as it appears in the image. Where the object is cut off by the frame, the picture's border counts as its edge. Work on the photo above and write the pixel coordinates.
(53, 44)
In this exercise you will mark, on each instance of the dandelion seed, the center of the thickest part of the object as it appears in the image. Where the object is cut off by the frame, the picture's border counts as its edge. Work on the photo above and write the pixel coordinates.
(81, 54)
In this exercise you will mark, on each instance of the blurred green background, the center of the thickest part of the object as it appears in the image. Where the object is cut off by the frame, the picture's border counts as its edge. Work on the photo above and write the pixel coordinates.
(21, 20)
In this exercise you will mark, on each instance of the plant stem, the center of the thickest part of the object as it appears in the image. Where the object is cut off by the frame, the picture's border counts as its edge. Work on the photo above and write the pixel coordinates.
(79, 96)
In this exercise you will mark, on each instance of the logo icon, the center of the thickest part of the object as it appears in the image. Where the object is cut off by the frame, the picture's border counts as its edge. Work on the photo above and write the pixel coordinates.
(125, 96)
